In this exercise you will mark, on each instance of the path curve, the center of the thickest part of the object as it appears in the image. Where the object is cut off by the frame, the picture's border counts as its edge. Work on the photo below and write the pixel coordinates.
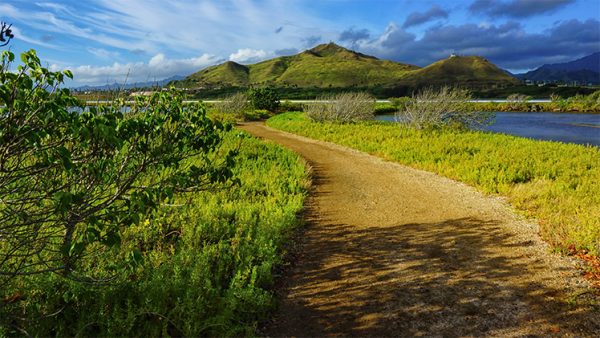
(393, 251)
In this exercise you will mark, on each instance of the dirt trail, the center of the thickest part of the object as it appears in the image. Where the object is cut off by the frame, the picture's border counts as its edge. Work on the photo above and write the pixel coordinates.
(393, 251)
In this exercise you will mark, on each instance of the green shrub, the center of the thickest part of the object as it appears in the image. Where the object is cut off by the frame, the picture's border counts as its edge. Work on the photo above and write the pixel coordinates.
(384, 109)
(288, 106)
(399, 102)
(263, 98)
(256, 115)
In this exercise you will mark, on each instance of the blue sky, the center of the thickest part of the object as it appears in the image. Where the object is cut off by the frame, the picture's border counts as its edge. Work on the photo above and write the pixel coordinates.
(103, 41)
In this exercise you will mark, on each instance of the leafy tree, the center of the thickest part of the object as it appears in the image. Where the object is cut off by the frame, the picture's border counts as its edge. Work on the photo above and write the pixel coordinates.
(263, 98)
(72, 178)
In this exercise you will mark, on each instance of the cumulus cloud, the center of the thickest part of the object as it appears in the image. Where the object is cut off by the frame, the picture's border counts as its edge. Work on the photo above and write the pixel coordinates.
(508, 45)
(418, 18)
(516, 8)
(157, 68)
(248, 55)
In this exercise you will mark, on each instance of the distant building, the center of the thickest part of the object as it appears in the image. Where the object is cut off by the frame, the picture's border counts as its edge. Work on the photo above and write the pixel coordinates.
(453, 55)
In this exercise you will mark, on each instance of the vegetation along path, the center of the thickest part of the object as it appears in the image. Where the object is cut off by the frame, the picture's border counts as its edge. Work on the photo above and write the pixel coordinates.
(393, 251)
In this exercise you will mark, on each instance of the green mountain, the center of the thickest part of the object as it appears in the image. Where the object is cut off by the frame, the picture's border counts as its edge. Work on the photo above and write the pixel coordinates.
(329, 65)
(466, 71)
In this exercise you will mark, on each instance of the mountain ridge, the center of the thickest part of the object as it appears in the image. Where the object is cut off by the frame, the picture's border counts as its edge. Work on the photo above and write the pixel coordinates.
(583, 70)
(330, 65)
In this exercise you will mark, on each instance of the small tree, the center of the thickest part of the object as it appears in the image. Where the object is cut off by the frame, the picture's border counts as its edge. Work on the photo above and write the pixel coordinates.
(263, 98)
(70, 181)
(444, 107)
(346, 107)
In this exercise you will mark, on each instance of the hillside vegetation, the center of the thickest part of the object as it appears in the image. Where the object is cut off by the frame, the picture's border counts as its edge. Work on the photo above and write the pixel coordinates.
(332, 66)
(463, 70)
(557, 183)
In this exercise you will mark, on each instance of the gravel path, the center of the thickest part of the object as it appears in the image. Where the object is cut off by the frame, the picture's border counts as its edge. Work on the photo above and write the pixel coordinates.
(393, 251)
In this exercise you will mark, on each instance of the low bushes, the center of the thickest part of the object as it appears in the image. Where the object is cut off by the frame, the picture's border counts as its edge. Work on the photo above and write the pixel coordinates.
(444, 107)
(236, 105)
(346, 107)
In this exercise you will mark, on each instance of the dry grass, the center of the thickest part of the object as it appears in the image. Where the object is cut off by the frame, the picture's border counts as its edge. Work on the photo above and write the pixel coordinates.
(345, 107)
(444, 107)
(236, 104)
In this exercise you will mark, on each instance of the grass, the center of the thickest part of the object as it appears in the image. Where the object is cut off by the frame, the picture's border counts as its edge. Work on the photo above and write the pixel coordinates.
(207, 266)
(558, 184)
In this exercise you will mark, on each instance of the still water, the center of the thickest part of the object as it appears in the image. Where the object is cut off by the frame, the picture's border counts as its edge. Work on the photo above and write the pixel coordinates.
(569, 128)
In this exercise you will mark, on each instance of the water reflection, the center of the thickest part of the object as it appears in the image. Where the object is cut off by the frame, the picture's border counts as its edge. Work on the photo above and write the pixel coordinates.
(568, 128)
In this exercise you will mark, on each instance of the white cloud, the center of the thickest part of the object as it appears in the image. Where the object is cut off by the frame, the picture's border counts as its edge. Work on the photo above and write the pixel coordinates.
(248, 55)
(199, 26)
(103, 53)
(124, 31)
(157, 68)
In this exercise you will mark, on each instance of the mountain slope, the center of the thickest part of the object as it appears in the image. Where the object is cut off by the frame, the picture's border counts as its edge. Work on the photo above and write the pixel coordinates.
(330, 65)
(461, 70)
(327, 65)
(584, 70)
(226, 74)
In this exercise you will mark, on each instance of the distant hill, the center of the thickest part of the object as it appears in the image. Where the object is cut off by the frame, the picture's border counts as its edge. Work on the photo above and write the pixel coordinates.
(583, 71)
(463, 70)
(117, 86)
(330, 65)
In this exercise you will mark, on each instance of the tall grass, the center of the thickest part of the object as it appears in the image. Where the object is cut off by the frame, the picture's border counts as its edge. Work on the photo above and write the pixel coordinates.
(559, 184)
(206, 263)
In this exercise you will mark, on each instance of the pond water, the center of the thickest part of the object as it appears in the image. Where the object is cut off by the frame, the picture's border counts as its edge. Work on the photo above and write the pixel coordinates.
(569, 128)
